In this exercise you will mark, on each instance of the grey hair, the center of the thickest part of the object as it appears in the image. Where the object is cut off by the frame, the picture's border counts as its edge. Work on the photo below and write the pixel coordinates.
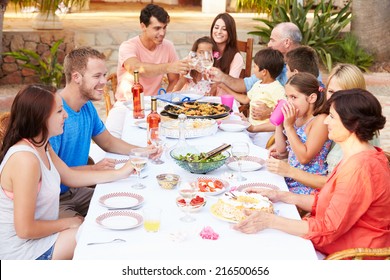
(290, 31)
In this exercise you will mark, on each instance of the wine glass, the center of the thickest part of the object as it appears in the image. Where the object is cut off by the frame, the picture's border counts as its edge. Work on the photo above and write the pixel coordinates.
(188, 192)
(207, 61)
(158, 141)
(239, 151)
(139, 158)
(193, 61)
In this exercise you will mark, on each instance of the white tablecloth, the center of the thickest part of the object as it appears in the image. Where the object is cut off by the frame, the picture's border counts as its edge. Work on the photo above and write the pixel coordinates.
(268, 244)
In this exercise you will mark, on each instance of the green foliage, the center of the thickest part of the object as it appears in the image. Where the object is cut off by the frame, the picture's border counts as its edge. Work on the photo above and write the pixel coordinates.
(322, 34)
(260, 6)
(47, 68)
(349, 51)
(48, 6)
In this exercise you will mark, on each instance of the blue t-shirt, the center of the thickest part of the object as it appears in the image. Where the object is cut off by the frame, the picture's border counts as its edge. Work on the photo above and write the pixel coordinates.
(73, 145)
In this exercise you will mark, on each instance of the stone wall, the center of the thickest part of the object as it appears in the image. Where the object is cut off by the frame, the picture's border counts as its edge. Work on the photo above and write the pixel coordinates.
(11, 71)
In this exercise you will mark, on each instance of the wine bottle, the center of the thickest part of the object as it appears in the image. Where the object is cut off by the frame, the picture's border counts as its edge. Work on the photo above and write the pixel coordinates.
(153, 119)
(138, 97)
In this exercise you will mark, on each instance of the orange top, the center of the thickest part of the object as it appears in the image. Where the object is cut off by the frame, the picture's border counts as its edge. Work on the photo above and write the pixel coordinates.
(352, 209)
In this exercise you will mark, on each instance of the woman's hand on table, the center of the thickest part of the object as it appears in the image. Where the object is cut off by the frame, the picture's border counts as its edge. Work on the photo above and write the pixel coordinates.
(273, 195)
(255, 222)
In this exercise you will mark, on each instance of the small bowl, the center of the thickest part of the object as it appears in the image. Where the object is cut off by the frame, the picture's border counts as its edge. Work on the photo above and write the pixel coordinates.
(168, 181)
(195, 206)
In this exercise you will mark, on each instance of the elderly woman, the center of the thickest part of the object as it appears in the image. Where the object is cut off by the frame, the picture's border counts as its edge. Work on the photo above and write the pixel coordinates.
(351, 210)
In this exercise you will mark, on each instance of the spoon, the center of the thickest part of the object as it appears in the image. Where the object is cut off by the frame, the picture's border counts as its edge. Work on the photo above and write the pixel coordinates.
(116, 240)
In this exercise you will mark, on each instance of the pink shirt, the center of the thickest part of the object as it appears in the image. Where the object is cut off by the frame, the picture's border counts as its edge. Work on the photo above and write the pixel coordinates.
(235, 69)
(352, 209)
(164, 53)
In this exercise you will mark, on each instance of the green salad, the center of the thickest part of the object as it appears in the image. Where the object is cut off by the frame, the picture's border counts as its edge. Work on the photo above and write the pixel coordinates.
(200, 157)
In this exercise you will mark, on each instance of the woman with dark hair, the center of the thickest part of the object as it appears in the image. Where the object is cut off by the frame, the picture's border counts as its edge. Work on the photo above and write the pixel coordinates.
(352, 209)
(30, 176)
(224, 34)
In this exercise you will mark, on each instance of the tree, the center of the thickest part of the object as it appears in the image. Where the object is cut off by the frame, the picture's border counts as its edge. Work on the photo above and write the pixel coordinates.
(371, 25)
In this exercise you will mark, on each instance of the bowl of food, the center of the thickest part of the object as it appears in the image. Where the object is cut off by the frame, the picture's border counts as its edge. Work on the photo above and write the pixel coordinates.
(196, 204)
(168, 181)
(194, 160)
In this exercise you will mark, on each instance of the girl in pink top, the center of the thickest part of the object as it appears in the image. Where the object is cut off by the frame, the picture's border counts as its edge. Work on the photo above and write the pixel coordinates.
(352, 209)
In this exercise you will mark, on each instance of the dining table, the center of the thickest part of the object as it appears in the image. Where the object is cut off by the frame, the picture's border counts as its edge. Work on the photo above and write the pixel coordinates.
(177, 239)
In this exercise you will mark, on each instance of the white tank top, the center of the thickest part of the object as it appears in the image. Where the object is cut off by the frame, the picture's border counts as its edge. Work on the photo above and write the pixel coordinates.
(47, 208)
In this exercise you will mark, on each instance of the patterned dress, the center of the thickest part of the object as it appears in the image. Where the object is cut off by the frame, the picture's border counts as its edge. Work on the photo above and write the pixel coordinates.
(317, 165)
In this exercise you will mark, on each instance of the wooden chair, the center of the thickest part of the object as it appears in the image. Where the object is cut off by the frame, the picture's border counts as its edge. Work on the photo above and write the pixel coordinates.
(270, 141)
(360, 253)
(247, 48)
(109, 91)
(4, 120)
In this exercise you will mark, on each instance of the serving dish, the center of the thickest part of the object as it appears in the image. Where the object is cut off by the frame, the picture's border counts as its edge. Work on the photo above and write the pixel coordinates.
(197, 110)
(193, 128)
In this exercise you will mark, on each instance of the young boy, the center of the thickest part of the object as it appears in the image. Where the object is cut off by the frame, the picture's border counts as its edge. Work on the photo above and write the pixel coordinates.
(268, 64)
(302, 59)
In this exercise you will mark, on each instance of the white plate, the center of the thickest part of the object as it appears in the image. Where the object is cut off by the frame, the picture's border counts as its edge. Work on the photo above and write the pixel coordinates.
(217, 191)
(248, 163)
(120, 200)
(120, 220)
(234, 125)
(141, 124)
(257, 185)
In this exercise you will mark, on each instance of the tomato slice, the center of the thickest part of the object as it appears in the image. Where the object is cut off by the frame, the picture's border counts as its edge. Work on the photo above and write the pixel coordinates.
(218, 184)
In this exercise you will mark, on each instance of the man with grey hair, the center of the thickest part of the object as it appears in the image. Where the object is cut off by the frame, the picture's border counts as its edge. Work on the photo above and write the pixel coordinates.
(284, 37)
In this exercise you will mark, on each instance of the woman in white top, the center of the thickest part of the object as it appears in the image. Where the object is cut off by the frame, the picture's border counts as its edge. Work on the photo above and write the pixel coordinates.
(30, 180)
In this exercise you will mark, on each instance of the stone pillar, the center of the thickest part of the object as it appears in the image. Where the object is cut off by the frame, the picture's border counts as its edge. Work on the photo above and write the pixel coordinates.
(213, 6)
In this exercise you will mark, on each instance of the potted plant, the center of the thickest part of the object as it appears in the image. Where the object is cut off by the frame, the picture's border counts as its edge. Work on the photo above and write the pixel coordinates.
(47, 67)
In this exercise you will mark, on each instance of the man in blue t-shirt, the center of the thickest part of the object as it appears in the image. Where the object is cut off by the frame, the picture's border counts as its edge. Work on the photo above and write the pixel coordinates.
(85, 73)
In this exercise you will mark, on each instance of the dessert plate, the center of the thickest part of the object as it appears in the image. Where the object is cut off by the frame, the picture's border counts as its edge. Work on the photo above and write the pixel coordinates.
(242, 188)
(248, 163)
(195, 206)
(234, 125)
(120, 220)
(215, 214)
(211, 185)
(121, 200)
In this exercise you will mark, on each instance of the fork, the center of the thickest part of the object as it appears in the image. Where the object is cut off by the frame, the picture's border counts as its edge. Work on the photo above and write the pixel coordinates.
(116, 240)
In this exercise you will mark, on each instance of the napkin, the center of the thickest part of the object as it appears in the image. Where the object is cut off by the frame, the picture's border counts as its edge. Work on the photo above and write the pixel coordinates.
(209, 233)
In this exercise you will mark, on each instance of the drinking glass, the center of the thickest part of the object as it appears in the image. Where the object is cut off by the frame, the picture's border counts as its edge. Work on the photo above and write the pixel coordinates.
(193, 57)
(207, 61)
(239, 151)
(188, 192)
(158, 141)
(139, 158)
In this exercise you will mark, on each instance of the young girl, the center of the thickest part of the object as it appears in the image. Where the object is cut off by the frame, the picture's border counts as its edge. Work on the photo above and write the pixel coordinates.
(303, 133)
(198, 82)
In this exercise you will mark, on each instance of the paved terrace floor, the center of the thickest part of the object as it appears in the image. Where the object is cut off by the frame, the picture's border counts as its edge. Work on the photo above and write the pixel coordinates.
(117, 16)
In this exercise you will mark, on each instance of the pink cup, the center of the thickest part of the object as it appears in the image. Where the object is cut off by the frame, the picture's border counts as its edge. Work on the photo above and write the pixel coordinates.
(277, 115)
(227, 100)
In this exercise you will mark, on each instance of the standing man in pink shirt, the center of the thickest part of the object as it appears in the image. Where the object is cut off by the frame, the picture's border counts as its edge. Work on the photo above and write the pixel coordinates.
(150, 54)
